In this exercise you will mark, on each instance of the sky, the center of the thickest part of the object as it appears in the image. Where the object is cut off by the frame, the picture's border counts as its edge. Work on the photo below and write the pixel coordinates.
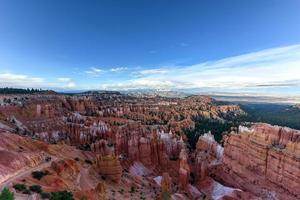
(235, 46)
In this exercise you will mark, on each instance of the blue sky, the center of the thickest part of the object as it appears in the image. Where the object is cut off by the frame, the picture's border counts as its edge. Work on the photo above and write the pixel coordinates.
(209, 45)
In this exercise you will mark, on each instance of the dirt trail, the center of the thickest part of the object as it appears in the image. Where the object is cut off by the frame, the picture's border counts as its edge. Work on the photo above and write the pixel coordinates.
(26, 172)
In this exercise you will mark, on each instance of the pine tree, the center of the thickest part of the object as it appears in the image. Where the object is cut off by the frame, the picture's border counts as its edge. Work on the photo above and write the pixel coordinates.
(6, 195)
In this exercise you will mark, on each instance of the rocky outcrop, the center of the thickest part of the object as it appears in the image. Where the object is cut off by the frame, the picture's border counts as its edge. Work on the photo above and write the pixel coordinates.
(149, 148)
(103, 147)
(184, 169)
(66, 168)
(145, 151)
(208, 145)
(158, 153)
(100, 191)
(110, 167)
(166, 185)
(208, 154)
(18, 153)
(264, 156)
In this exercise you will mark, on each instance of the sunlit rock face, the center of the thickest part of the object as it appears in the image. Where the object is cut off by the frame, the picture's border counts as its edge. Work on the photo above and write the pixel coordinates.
(100, 191)
(66, 168)
(184, 169)
(207, 143)
(110, 167)
(264, 156)
(208, 154)
(17, 153)
(166, 183)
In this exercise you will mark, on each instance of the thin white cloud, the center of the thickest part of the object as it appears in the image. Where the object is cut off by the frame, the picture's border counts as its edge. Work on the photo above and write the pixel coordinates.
(9, 79)
(94, 71)
(64, 79)
(118, 69)
(140, 84)
(151, 72)
(25, 81)
(70, 85)
(271, 67)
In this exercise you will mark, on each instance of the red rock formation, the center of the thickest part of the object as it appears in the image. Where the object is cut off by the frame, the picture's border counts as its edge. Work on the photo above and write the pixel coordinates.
(145, 151)
(110, 167)
(100, 190)
(17, 153)
(264, 156)
(184, 169)
(208, 153)
(149, 150)
(133, 147)
(65, 168)
(207, 143)
(102, 147)
(159, 155)
(166, 185)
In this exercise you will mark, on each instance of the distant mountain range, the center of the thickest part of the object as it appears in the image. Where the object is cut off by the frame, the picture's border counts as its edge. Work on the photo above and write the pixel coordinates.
(225, 96)
(231, 97)
(257, 99)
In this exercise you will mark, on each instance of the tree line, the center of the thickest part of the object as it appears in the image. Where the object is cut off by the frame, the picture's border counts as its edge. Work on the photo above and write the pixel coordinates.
(7, 90)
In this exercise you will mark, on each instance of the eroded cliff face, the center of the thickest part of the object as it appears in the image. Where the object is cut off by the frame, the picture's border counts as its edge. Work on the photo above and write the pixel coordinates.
(264, 160)
(17, 154)
(208, 154)
(110, 167)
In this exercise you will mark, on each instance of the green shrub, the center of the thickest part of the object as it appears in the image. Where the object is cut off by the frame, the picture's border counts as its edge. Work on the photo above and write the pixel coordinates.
(7, 195)
(48, 159)
(45, 195)
(173, 158)
(26, 191)
(39, 174)
(165, 195)
(132, 189)
(36, 188)
(20, 187)
(63, 195)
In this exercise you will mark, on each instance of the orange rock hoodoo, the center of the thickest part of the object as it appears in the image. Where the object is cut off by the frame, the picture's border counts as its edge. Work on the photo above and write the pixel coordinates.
(166, 184)
(100, 191)
(110, 167)
(184, 169)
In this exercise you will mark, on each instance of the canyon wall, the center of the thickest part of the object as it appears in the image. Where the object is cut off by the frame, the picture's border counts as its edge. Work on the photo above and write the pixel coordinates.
(264, 160)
